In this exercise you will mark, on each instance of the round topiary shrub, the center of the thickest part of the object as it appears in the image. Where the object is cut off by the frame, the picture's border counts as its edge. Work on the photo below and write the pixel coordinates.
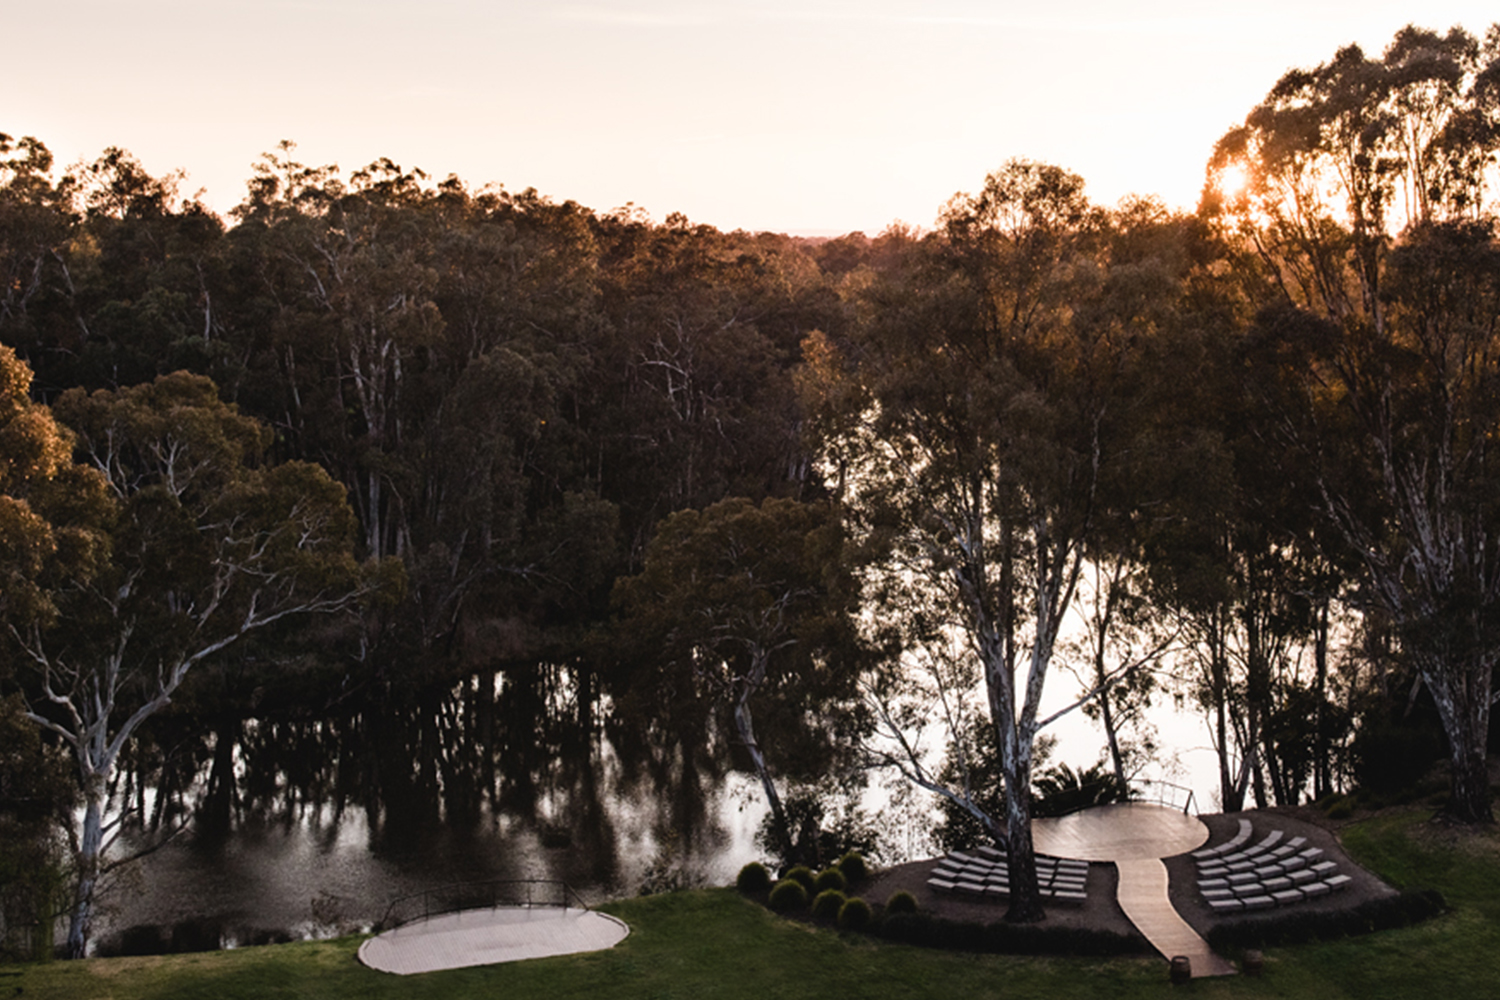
(787, 895)
(828, 904)
(854, 868)
(753, 879)
(830, 878)
(854, 915)
(803, 874)
(901, 902)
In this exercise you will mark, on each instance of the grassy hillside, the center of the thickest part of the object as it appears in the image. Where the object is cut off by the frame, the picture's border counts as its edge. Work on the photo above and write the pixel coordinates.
(712, 944)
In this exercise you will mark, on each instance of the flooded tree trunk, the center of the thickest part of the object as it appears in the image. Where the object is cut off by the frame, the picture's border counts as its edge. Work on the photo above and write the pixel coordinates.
(744, 726)
(219, 798)
(583, 686)
(484, 724)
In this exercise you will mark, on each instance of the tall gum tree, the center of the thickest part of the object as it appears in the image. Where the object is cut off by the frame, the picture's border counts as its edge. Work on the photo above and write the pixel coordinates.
(979, 422)
(54, 516)
(1369, 238)
(207, 545)
(749, 611)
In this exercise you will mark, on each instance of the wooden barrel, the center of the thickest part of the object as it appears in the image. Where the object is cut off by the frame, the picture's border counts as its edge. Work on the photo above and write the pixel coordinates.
(1254, 963)
(1182, 969)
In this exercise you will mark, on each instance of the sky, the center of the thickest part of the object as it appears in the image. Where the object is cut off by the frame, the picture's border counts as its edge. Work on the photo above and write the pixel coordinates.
(815, 117)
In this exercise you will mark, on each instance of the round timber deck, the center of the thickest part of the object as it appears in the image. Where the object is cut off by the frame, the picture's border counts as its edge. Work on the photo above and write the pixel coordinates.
(1134, 837)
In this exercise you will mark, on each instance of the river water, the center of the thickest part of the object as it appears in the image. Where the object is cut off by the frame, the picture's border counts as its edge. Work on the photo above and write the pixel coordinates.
(328, 820)
(323, 874)
(329, 824)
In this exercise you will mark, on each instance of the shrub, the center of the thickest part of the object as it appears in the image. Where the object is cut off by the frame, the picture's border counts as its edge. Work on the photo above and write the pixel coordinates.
(854, 915)
(1006, 939)
(1299, 927)
(831, 878)
(753, 879)
(828, 904)
(803, 874)
(1341, 809)
(1060, 790)
(901, 902)
(787, 895)
(825, 819)
(854, 868)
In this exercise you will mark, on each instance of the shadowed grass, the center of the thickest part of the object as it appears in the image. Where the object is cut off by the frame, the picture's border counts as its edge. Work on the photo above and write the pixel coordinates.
(715, 944)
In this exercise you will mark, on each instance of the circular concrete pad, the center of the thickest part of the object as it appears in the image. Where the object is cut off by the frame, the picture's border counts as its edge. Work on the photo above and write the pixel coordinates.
(485, 937)
(1131, 830)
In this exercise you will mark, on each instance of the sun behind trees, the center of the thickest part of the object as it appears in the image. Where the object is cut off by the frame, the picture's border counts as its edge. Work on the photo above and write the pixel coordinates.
(1367, 239)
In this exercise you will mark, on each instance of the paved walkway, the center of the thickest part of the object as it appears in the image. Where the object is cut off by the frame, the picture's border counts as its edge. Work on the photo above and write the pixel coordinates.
(484, 937)
(1135, 837)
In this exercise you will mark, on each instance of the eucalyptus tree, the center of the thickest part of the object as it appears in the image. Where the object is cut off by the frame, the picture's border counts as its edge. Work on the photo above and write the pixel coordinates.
(36, 223)
(748, 610)
(1368, 227)
(1237, 595)
(352, 268)
(982, 423)
(111, 277)
(702, 338)
(204, 546)
(36, 799)
(1117, 656)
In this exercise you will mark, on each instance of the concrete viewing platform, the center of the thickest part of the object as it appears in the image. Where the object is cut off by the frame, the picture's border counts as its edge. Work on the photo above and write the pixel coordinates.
(487, 936)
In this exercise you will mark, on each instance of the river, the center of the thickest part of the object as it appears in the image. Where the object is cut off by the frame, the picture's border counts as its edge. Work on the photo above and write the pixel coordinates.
(330, 821)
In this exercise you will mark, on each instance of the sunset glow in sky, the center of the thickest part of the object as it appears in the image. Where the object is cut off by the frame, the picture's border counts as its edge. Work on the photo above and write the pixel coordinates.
(818, 116)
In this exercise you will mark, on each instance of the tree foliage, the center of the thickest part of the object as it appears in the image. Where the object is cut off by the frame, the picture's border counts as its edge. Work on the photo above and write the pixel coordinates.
(206, 546)
(1376, 351)
(750, 611)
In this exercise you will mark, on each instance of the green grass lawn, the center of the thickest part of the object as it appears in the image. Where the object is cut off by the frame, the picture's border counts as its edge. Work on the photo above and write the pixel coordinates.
(713, 944)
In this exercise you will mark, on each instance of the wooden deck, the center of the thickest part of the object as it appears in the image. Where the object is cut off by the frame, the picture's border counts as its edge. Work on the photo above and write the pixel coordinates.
(1135, 837)
(1143, 897)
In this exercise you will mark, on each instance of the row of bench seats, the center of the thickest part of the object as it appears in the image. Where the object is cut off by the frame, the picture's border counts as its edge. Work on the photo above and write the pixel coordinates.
(985, 873)
(1275, 871)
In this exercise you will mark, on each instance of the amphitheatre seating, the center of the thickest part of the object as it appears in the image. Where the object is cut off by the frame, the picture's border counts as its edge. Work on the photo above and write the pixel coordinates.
(985, 873)
(1274, 871)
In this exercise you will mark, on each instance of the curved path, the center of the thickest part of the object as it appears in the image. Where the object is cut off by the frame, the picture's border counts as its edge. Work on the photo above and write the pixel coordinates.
(1135, 837)
(484, 937)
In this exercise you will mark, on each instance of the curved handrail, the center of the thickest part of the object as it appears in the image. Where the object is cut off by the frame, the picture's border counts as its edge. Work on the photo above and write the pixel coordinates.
(458, 896)
(1175, 795)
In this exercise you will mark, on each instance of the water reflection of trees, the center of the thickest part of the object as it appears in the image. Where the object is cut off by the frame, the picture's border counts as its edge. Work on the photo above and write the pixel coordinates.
(507, 750)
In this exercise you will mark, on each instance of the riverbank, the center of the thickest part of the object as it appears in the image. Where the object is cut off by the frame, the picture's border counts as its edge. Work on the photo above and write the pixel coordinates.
(712, 943)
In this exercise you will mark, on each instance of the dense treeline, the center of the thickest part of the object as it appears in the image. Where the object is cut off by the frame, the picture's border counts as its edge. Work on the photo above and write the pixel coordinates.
(646, 473)
(513, 392)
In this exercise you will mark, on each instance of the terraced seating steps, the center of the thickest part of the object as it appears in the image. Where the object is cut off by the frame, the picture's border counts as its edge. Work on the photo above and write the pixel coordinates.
(984, 872)
(1233, 877)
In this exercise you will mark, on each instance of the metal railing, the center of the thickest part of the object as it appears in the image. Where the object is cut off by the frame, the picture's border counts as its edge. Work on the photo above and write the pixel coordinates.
(479, 896)
(1163, 793)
